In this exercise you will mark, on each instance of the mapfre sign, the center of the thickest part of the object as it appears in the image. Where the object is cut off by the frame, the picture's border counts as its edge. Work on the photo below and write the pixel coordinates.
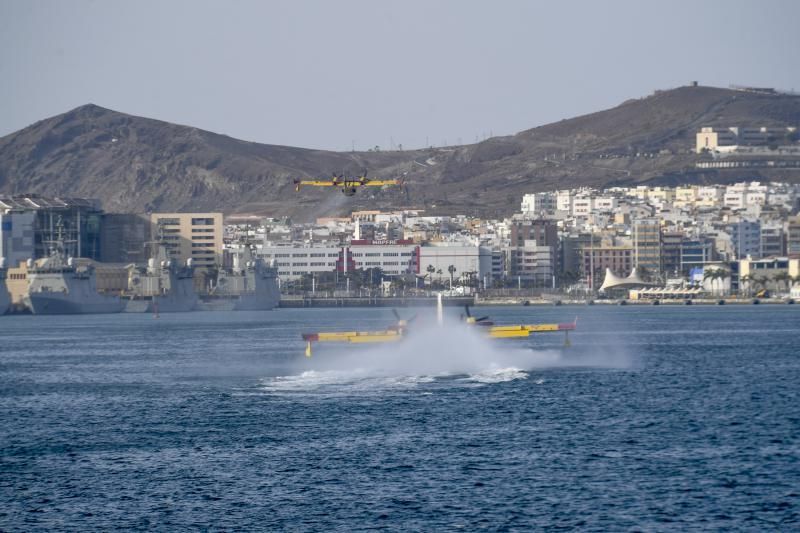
(380, 242)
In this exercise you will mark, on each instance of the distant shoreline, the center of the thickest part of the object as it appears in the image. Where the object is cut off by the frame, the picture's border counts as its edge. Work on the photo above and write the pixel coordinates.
(623, 302)
(460, 301)
(299, 302)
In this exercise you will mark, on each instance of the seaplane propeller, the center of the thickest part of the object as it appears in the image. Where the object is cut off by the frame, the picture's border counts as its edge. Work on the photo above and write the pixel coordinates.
(403, 322)
(479, 321)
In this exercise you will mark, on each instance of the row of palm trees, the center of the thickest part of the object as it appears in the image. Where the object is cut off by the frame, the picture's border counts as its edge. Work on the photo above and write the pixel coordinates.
(762, 281)
(716, 274)
(432, 270)
(751, 281)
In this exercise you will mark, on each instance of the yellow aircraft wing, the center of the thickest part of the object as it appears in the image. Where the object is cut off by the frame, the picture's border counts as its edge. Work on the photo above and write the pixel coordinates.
(376, 183)
(355, 337)
(525, 330)
(393, 335)
(315, 183)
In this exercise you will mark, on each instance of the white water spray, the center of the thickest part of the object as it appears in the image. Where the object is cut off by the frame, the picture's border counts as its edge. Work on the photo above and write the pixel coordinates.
(443, 347)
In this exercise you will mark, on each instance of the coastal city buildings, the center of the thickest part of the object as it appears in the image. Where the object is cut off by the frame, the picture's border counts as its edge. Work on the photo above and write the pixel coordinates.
(559, 239)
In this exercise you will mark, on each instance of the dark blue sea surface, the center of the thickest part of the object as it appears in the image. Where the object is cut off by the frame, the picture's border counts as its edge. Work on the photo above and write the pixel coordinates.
(656, 418)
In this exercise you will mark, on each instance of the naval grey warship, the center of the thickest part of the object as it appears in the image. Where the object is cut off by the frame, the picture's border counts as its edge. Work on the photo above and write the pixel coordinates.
(162, 286)
(5, 297)
(250, 285)
(58, 286)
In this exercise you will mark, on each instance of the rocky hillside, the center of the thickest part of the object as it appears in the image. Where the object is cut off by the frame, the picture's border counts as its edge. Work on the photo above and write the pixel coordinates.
(135, 164)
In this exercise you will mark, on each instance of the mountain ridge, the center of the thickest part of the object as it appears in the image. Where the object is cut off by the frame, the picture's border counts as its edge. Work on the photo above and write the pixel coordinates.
(137, 164)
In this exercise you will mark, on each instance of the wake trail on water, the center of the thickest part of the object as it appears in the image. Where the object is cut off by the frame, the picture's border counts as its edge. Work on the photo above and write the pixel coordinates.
(429, 353)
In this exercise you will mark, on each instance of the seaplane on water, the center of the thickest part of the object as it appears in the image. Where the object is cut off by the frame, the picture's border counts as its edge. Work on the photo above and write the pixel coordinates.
(397, 331)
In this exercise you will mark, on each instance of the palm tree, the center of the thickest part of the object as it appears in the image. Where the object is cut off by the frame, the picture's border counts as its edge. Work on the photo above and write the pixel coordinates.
(398, 284)
(722, 275)
(431, 270)
(710, 275)
(745, 280)
(452, 270)
(714, 275)
(438, 273)
(782, 277)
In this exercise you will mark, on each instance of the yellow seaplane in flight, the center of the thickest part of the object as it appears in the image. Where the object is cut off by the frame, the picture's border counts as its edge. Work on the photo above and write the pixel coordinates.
(398, 331)
(349, 186)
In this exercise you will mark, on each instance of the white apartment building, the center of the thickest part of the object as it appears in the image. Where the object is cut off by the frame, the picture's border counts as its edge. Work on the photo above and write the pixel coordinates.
(641, 192)
(394, 258)
(710, 196)
(660, 196)
(757, 197)
(782, 199)
(582, 205)
(686, 196)
(564, 200)
(741, 195)
(605, 203)
(735, 199)
(539, 202)
(295, 260)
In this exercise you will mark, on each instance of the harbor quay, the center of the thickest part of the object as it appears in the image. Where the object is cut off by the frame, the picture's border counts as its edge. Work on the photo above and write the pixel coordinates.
(294, 302)
(357, 301)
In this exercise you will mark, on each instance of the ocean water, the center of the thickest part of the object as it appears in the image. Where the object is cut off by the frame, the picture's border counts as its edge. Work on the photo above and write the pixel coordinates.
(656, 418)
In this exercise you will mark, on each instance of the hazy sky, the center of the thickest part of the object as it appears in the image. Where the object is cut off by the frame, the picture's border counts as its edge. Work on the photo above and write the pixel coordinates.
(333, 74)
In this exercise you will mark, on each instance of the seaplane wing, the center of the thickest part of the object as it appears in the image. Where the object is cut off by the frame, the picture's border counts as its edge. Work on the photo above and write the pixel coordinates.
(358, 337)
(525, 330)
(377, 183)
(392, 333)
(354, 337)
(316, 183)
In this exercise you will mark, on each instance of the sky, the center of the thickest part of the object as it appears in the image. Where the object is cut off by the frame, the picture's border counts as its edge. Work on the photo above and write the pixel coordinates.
(354, 74)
